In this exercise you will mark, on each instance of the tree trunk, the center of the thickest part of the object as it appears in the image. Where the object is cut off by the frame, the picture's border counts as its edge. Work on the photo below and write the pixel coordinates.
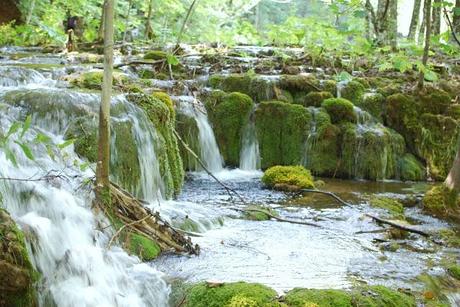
(456, 18)
(453, 179)
(127, 20)
(436, 20)
(382, 22)
(414, 20)
(427, 41)
(103, 155)
(100, 33)
(421, 33)
(393, 24)
(31, 12)
(148, 26)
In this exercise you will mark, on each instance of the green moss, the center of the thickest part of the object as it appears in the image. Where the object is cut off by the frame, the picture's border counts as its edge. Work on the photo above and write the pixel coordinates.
(449, 237)
(454, 271)
(435, 101)
(83, 130)
(155, 55)
(353, 91)
(257, 88)
(187, 128)
(319, 298)
(281, 131)
(340, 110)
(204, 295)
(438, 143)
(145, 248)
(299, 84)
(315, 99)
(394, 207)
(440, 200)
(258, 215)
(93, 80)
(410, 169)
(279, 177)
(330, 86)
(380, 296)
(229, 117)
(147, 74)
(373, 103)
(17, 274)
(166, 99)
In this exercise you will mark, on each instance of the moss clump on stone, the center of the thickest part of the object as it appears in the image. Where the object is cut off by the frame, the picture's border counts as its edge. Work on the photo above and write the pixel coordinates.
(257, 213)
(393, 206)
(281, 131)
(341, 110)
(257, 88)
(145, 248)
(435, 101)
(93, 80)
(287, 177)
(155, 55)
(146, 74)
(17, 275)
(373, 103)
(454, 271)
(410, 169)
(330, 86)
(440, 200)
(315, 99)
(353, 91)
(320, 298)
(228, 294)
(438, 143)
(380, 296)
(229, 117)
(83, 130)
(299, 84)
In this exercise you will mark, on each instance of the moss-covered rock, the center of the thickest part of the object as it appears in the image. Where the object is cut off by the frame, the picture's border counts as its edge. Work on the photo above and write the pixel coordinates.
(288, 178)
(353, 91)
(259, 213)
(229, 295)
(393, 206)
(93, 80)
(257, 88)
(83, 130)
(330, 86)
(380, 296)
(410, 169)
(17, 275)
(229, 117)
(187, 128)
(454, 271)
(299, 83)
(319, 298)
(281, 131)
(373, 103)
(435, 101)
(438, 143)
(341, 110)
(155, 55)
(440, 200)
(143, 247)
(315, 99)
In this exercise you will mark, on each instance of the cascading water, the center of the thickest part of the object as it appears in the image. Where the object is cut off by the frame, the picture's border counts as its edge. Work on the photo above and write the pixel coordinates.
(250, 155)
(311, 139)
(209, 151)
(66, 241)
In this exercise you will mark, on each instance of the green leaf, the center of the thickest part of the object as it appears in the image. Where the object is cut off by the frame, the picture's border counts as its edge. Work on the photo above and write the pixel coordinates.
(13, 129)
(172, 60)
(42, 138)
(344, 76)
(50, 152)
(430, 75)
(10, 156)
(26, 149)
(26, 126)
(66, 144)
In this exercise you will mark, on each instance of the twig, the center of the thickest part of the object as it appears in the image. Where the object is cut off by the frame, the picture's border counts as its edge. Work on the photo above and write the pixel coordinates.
(399, 226)
(228, 189)
(326, 193)
(123, 227)
(280, 219)
(451, 26)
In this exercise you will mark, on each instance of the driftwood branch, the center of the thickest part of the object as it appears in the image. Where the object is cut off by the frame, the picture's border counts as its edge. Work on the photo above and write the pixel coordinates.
(227, 188)
(399, 226)
(123, 227)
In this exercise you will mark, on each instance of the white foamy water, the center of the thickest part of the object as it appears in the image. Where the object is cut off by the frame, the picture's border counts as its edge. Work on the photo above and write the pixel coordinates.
(250, 154)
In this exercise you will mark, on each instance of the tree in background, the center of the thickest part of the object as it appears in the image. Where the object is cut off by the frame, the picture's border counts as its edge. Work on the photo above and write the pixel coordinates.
(414, 20)
(426, 50)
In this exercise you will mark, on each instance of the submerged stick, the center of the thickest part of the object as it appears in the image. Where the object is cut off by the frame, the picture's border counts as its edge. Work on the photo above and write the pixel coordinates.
(280, 218)
(399, 226)
(228, 189)
(326, 193)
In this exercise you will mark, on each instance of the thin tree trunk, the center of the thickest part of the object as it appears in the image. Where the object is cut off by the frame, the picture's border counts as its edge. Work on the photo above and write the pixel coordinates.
(100, 33)
(421, 33)
(148, 25)
(427, 41)
(257, 18)
(30, 13)
(393, 24)
(453, 179)
(127, 20)
(382, 22)
(103, 160)
(436, 26)
(414, 21)
(456, 18)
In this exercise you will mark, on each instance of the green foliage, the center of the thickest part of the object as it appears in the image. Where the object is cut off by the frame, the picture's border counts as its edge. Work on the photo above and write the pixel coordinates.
(454, 271)
(393, 206)
(340, 109)
(229, 294)
(380, 296)
(440, 200)
(320, 298)
(281, 177)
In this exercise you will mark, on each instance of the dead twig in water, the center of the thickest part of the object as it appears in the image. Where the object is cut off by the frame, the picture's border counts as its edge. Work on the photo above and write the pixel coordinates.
(399, 226)
(325, 193)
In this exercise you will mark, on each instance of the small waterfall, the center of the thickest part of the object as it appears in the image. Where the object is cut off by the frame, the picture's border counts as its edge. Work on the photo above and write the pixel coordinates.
(340, 86)
(250, 155)
(67, 242)
(209, 151)
(311, 139)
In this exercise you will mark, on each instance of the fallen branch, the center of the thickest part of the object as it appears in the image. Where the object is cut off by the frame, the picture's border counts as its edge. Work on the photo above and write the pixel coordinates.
(326, 193)
(280, 219)
(228, 189)
(399, 226)
(123, 227)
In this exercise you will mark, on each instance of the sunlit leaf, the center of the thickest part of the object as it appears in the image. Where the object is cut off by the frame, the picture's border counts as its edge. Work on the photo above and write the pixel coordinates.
(10, 156)
(26, 125)
(14, 128)
(26, 149)
(430, 75)
(66, 144)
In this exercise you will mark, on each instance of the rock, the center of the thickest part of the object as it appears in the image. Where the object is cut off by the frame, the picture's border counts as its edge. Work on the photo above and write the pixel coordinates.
(353, 91)
(315, 99)
(341, 110)
(288, 178)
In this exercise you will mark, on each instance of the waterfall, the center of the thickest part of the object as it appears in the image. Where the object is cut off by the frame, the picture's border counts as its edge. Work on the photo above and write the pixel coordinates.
(67, 242)
(250, 155)
(311, 139)
(209, 151)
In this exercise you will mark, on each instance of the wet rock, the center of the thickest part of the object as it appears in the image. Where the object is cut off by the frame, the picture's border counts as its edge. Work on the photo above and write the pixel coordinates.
(341, 110)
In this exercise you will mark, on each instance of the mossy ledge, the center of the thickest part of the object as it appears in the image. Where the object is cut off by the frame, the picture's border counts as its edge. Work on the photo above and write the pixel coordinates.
(17, 275)
(288, 178)
(257, 295)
